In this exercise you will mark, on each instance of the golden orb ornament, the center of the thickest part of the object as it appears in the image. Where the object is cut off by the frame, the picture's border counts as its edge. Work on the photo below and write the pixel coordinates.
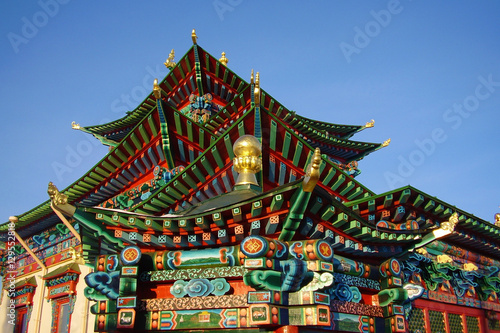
(247, 161)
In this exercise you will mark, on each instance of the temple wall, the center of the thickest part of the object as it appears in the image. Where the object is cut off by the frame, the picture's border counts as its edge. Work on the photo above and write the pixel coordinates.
(42, 311)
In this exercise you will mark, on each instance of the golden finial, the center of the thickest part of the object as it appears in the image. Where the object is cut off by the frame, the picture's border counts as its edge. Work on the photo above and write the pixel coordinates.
(75, 126)
(156, 89)
(312, 172)
(247, 161)
(386, 143)
(251, 77)
(56, 197)
(193, 36)
(169, 63)
(497, 219)
(256, 91)
(469, 267)
(369, 124)
(451, 223)
(223, 59)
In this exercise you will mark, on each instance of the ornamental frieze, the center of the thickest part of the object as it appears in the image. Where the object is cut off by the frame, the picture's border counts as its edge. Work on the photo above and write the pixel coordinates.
(193, 303)
(192, 273)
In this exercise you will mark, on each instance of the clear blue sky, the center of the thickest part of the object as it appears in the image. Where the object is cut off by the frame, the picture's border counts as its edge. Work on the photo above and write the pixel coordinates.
(429, 74)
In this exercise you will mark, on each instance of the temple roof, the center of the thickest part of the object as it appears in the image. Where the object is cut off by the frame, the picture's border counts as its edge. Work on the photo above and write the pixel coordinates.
(152, 132)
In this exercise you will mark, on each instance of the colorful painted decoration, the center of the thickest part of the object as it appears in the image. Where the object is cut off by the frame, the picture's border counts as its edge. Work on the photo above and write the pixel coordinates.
(130, 255)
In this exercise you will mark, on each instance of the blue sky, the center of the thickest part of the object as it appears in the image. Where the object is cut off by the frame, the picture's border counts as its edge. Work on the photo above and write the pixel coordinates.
(429, 74)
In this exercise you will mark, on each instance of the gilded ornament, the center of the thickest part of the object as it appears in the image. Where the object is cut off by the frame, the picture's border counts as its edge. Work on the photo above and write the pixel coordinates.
(422, 251)
(497, 219)
(156, 89)
(312, 172)
(256, 91)
(451, 223)
(469, 267)
(386, 143)
(193, 36)
(247, 162)
(75, 126)
(56, 197)
(371, 123)
(169, 63)
(251, 77)
(223, 59)
(444, 258)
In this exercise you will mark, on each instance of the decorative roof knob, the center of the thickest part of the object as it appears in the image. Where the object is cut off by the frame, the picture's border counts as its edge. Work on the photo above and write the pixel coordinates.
(247, 161)
(223, 59)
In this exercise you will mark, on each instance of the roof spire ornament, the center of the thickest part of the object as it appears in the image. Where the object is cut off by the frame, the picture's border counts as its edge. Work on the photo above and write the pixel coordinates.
(386, 143)
(56, 197)
(169, 63)
(156, 89)
(223, 59)
(497, 219)
(251, 77)
(256, 91)
(194, 37)
(247, 161)
(75, 126)
(312, 172)
(369, 124)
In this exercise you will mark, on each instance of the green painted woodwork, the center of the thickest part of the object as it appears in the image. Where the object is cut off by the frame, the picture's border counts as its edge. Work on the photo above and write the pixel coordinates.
(356, 193)
(340, 179)
(419, 200)
(388, 201)
(429, 205)
(341, 219)
(256, 208)
(295, 215)
(209, 171)
(298, 153)
(120, 155)
(218, 159)
(277, 202)
(152, 126)
(179, 186)
(331, 173)
(328, 213)
(136, 141)
(188, 180)
(198, 173)
(317, 204)
(218, 219)
(286, 145)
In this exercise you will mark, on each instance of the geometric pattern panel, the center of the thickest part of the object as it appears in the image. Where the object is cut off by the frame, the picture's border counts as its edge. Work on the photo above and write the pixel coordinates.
(417, 321)
(455, 322)
(436, 319)
(472, 324)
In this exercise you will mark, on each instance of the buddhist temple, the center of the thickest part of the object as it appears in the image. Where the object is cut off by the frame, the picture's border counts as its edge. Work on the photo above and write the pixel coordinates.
(217, 209)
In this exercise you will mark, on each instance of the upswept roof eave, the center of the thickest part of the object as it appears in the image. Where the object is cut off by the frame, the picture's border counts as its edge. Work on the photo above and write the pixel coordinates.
(461, 212)
(44, 210)
(136, 115)
(307, 144)
(347, 130)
